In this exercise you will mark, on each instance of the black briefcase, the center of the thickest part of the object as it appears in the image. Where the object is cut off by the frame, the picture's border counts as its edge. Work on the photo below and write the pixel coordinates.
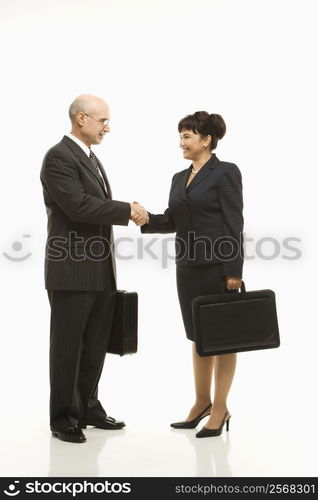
(235, 322)
(124, 333)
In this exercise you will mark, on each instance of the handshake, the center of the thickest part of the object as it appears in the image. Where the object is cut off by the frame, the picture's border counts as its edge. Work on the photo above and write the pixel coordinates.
(138, 214)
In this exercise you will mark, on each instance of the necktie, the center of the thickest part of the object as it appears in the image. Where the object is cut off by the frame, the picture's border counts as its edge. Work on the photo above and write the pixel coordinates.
(94, 162)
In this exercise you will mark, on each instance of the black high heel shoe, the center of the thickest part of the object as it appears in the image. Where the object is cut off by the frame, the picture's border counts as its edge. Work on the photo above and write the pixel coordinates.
(204, 432)
(191, 424)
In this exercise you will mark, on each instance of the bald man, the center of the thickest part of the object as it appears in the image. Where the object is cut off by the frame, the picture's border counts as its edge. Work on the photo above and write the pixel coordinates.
(80, 275)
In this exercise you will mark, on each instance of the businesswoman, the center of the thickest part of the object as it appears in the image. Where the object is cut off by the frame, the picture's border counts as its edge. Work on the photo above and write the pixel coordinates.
(205, 210)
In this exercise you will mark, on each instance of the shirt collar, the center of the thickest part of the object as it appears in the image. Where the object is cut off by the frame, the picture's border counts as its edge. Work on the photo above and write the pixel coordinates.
(79, 143)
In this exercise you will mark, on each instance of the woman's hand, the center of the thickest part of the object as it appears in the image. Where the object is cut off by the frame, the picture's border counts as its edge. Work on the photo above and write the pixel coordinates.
(138, 214)
(232, 283)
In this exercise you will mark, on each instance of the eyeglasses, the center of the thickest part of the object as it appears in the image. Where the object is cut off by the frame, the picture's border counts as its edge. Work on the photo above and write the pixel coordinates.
(104, 123)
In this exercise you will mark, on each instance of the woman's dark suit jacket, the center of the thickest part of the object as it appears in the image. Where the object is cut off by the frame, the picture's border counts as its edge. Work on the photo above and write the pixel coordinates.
(207, 217)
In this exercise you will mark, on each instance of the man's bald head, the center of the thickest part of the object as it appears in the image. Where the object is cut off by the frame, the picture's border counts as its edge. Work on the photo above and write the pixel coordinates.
(90, 119)
(85, 103)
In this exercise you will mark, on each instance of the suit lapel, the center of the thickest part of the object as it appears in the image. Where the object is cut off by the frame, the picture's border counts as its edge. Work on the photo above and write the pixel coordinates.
(109, 191)
(86, 161)
(182, 191)
(203, 173)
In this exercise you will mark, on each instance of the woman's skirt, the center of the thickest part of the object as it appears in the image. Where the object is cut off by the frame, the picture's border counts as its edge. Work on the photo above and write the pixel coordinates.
(195, 280)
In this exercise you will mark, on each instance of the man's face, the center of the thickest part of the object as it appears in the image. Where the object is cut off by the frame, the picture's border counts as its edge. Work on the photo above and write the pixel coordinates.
(94, 125)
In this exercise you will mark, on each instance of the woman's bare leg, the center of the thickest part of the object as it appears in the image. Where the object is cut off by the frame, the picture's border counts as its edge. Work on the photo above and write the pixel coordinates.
(224, 370)
(202, 370)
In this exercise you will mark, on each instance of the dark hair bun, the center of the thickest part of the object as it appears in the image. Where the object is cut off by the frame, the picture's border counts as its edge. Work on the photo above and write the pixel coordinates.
(204, 124)
(218, 125)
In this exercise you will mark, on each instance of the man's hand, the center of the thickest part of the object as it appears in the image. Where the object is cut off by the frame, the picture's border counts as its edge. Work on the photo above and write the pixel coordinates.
(138, 214)
(233, 283)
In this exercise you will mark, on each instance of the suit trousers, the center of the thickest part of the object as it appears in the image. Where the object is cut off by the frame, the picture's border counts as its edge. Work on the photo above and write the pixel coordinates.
(79, 335)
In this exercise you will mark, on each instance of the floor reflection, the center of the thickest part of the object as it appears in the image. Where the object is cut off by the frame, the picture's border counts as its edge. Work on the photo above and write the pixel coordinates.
(79, 459)
(211, 454)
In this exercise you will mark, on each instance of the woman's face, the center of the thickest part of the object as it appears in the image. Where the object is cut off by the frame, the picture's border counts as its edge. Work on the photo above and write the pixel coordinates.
(193, 145)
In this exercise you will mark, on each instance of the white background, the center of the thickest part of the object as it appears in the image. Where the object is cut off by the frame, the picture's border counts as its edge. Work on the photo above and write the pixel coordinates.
(254, 62)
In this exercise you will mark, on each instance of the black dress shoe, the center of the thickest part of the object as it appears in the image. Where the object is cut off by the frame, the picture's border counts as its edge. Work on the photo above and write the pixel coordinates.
(71, 434)
(102, 423)
(191, 424)
(204, 432)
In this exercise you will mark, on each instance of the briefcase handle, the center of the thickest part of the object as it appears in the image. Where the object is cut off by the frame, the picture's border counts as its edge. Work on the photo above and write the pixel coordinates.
(223, 290)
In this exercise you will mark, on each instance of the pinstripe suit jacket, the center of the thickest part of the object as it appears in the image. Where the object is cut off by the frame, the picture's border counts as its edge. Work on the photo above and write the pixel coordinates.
(207, 217)
(80, 214)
